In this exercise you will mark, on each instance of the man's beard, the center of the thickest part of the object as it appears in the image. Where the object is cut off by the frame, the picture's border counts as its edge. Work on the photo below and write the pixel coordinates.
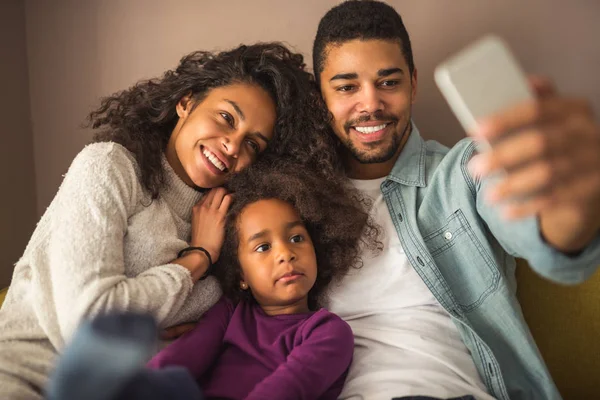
(378, 154)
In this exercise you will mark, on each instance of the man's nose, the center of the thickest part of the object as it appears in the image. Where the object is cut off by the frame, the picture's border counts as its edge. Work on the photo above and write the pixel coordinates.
(370, 100)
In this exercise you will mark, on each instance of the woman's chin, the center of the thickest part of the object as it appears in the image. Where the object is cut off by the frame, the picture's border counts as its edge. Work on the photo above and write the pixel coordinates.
(204, 183)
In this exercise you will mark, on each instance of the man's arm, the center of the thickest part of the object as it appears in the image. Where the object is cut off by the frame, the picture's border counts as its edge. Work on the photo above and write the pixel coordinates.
(550, 150)
(523, 237)
(313, 367)
(198, 349)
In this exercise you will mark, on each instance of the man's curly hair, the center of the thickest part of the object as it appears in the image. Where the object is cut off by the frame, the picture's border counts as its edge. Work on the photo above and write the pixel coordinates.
(142, 117)
(363, 20)
(333, 212)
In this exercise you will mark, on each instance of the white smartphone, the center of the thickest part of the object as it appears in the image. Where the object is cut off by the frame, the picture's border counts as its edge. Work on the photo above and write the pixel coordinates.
(480, 80)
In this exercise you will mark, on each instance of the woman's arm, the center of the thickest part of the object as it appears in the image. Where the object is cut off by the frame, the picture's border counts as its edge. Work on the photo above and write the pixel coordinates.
(88, 220)
(312, 368)
(200, 347)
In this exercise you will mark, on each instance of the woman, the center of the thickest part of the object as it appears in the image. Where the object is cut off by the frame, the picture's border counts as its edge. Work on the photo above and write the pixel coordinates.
(132, 227)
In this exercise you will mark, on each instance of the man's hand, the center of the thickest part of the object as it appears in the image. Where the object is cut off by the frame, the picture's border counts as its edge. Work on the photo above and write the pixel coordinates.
(550, 151)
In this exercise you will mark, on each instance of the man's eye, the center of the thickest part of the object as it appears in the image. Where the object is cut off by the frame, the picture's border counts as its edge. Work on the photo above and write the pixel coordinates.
(390, 83)
(228, 118)
(262, 248)
(345, 88)
(297, 239)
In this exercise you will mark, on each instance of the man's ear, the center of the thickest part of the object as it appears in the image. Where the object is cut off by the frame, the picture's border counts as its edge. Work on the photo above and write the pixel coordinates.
(184, 106)
(413, 81)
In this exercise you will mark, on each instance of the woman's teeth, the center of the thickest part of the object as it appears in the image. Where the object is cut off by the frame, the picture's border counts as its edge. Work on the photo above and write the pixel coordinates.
(370, 129)
(214, 160)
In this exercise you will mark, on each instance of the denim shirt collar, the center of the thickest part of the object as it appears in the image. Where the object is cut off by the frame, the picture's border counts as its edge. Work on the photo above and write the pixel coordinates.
(410, 167)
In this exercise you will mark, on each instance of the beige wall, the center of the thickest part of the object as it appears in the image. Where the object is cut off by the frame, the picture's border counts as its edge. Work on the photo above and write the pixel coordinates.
(81, 50)
(17, 180)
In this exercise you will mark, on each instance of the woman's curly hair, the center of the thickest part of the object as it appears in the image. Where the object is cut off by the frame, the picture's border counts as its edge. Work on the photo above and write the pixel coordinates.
(333, 212)
(142, 117)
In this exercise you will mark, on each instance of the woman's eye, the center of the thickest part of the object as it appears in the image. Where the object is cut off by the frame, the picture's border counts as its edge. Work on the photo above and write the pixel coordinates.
(262, 248)
(297, 239)
(254, 146)
(228, 118)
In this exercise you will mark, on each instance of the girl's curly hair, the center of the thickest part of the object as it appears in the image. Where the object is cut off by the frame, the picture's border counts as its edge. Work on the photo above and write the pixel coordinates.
(333, 212)
(142, 117)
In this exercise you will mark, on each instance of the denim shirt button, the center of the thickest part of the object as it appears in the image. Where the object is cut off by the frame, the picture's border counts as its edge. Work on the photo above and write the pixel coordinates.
(448, 235)
(400, 217)
(420, 261)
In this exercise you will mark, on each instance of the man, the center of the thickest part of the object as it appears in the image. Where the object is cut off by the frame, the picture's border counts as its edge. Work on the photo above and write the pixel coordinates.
(435, 314)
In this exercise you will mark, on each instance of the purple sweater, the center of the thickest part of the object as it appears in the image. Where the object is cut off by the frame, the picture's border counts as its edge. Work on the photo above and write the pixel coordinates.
(239, 352)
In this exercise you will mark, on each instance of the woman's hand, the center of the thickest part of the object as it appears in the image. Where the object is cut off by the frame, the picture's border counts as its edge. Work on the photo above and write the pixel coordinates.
(208, 221)
(208, 232)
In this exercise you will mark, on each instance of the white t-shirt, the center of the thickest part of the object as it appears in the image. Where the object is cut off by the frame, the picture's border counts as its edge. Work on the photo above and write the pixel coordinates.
(405, 342)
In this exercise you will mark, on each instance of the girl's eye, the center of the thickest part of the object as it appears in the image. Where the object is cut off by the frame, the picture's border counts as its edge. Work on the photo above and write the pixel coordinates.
(297, 239)
(262, 248)
(253, 145)
(228, 118)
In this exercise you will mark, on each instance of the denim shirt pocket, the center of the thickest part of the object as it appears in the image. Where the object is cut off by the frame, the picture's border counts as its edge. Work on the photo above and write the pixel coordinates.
(466, 265)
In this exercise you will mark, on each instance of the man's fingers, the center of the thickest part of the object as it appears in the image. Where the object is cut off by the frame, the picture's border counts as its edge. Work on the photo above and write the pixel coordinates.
(527, 181)
(551, 110)
(526, 208)
(519, 149)
(542, 86)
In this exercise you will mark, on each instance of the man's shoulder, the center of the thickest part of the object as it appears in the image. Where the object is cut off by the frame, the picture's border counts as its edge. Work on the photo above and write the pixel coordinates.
(461, 152)
(447, 163)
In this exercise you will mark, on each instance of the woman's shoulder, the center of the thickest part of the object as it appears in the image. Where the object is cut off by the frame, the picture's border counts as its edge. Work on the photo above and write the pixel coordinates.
(105, 162)
(104, 169)
(107, 154)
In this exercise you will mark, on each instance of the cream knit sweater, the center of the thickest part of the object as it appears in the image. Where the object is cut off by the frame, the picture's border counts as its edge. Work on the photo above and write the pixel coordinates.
(103, 245)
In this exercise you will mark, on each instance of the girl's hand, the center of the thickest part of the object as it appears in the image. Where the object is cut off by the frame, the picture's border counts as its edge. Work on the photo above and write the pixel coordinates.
(208, 221)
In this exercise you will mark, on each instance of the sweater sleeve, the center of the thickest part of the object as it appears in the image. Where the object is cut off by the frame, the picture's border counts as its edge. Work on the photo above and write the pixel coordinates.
(313, 367)
(88, 222)
(200, 347)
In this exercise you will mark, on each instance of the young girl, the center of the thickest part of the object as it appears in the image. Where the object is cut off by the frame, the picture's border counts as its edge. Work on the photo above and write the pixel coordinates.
(132, 227)
(288, 238)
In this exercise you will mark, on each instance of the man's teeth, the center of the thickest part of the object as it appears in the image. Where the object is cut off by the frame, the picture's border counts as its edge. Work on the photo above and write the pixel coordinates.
(370, 129)
(213, 159)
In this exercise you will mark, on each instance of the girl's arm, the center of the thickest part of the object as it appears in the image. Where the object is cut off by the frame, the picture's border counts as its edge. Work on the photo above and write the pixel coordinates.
(314, 367)
(200, 347)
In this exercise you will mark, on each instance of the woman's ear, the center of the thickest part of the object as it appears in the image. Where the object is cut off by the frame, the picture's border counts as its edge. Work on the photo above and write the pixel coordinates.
(184, 106)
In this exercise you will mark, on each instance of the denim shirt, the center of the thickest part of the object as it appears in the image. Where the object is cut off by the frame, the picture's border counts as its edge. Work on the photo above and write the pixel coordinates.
(464, 251)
